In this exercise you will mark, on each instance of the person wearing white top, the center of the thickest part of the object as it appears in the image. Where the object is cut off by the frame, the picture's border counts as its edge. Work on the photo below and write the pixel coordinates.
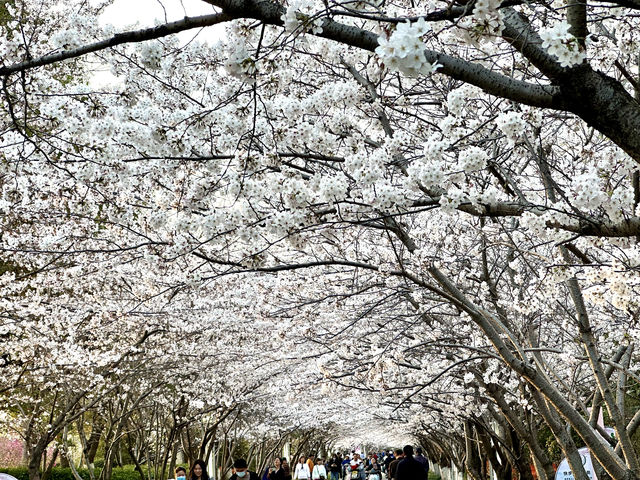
(302, 471)
(319, 471)
(357, 465)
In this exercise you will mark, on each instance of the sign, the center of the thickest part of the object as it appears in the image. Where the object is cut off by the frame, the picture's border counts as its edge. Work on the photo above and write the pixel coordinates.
(564, 471)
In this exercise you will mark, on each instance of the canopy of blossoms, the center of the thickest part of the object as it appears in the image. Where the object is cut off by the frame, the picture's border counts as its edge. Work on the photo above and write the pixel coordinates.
(391, 218)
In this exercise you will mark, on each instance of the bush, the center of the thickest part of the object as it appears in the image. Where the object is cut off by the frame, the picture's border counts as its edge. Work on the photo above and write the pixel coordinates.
(19, 472)
(59, 473)
(127, 472)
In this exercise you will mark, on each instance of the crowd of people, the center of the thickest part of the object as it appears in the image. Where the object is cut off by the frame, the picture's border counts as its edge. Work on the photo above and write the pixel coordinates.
(199, 471)
(400, 464)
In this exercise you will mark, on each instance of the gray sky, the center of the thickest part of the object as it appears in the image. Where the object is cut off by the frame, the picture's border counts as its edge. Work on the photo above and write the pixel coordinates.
(145, 13)
(128, 12)
(136, 14)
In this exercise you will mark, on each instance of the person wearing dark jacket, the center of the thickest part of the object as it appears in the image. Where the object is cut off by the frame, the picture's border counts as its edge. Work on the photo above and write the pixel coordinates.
(410, 468)
(393, 466)
(335, 467)
(422, 459)
(275, 471)
(241, 471)
(286, 469)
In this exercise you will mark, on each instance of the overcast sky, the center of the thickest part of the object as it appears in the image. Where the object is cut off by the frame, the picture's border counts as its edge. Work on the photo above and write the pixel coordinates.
(136, 14)
(126, 13)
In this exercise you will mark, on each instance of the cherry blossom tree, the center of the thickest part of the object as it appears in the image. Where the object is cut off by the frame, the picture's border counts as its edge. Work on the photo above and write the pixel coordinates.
(428, 209)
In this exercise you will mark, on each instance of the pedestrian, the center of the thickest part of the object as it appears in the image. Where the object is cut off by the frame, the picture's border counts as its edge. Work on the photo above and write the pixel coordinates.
(373, 470)
(409, 468)
(198, 471)
(241, 471)
(387, 460)
(275, 471)
(345, 466)
(302, 471)
(357, 465)
(422, 459)
(286, 469)
(310, 460)
(393, 466)
(335, 466)
(319, 471)
(181, 473)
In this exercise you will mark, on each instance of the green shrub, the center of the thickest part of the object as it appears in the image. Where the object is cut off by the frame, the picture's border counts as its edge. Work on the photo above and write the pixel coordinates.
(59, 473)
(19, 472)
(127, 472)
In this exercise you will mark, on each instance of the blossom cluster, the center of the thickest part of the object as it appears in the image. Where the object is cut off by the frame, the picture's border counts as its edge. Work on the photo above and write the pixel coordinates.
(512, 125)
(458, 98)
(404, 50)
(300, 15)
(487, 17)
(559, 42)
(241, 65)
(584, 195)
(151, 54)
(473, 159)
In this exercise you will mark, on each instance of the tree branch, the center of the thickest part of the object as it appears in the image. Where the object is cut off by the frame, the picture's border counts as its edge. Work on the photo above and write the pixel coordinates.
(492, 82)
(134, 36)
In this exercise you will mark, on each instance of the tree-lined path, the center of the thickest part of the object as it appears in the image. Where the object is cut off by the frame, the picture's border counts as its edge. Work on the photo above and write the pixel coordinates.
(344, 222)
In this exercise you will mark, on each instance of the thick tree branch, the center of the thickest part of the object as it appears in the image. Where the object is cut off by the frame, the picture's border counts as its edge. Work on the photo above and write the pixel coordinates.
(577, 19)
(492, 82)
(518, 32)
(633, 4)
(134, 36)
(589, 342)
(452, 12)
(598, 99)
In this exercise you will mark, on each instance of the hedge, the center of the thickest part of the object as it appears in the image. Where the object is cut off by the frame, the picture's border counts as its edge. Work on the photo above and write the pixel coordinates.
(127, 472)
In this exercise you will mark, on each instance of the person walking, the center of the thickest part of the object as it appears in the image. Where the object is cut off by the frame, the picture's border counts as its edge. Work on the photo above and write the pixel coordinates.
(393, 466)
(310, 463)
(181, 473)
(387, 460)
(423, 460)
(286, 469)
(346, 471)
(335, 465)
(302, 471)
(241, 471)
(198, 471)
(409, 468)
(276, 472)
(319, 471)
